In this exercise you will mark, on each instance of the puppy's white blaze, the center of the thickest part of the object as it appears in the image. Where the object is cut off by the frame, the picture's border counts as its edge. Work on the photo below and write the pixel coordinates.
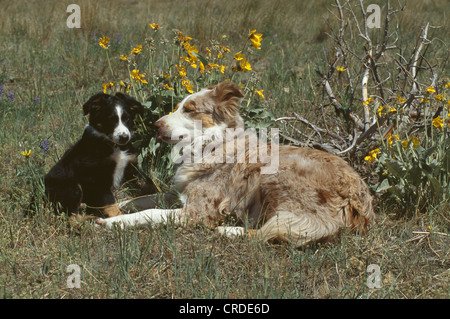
(120, 130)
(148, 216)
(121, 158)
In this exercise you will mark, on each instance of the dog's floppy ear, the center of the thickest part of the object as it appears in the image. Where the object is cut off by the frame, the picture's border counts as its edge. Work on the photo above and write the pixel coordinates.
(134, 106)
(227, 96)
(95, 102)
(225, 91)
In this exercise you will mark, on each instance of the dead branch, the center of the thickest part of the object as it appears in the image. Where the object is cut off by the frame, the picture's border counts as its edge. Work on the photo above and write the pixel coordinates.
(416, 59)
(365, 60)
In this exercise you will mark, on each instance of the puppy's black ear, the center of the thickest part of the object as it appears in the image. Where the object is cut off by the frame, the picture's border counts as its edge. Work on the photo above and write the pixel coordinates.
(95, 102)
(133, 105)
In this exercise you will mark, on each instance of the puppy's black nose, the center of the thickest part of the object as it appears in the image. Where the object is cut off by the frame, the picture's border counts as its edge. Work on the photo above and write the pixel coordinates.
(123, 138)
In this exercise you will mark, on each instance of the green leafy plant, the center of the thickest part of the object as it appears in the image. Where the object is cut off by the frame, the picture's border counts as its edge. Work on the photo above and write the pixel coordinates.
(413, 166)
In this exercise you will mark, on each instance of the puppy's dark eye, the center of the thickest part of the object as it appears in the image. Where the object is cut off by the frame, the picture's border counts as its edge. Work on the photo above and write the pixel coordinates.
(187, 110)
(125, 117)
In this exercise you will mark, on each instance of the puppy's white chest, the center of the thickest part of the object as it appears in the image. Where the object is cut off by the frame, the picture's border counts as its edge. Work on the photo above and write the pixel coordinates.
(122, 158)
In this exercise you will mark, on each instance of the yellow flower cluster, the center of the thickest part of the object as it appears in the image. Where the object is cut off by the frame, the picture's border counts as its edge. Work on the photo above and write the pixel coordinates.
(107, 86)
(138, 76)
(134, 51)
(400, 99)
(415, 141)
(192, 58)
(366, 102)
(216, 59)
(256, 39)
(439, 123)
(383, 109)
(372, 155)
(241, 63)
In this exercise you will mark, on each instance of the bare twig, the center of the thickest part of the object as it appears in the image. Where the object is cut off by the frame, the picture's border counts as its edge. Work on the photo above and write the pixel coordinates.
(415, 60)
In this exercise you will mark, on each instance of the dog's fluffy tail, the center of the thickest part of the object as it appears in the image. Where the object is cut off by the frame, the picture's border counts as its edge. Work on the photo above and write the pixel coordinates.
(354, 211)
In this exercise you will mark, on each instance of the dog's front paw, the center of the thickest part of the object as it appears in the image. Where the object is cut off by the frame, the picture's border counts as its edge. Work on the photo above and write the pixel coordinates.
(230, 232)
(109, 222)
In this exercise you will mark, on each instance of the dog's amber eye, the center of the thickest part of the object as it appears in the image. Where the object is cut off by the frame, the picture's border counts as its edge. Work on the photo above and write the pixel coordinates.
(189, 106)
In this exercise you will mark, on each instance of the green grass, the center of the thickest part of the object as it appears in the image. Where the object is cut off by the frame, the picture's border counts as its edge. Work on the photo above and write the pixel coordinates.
(41, 57)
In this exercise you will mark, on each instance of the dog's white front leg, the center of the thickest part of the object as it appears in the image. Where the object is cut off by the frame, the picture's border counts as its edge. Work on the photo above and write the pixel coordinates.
(148, 216)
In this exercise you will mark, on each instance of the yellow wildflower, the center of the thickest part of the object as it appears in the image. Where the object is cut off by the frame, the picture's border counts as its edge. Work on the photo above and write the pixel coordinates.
(260, 93)
(447, 85)
(181, 70)
(400, 99)
(123, 57)
(438, 97)
(182, 38)
(189, 88)
(138, 76)
(431, 90)
(168, 87)
(104, 41)
(137, 49)
(26, 153)
(191, 51)
(372, 156)
(405, 144)
(340, 69)
(201, 67)
(438, 122)
(380, 110)
(245, 65)
(256, 39)
(154, 26)
(107, 86)
(368, 101)
(239, 56)
(224, 49)
(392, 109)
(187, 84)
(415, 142)
(126, 86)
(391, 138)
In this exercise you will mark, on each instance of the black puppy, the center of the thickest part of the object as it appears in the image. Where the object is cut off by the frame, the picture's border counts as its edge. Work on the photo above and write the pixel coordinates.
(90, 169)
